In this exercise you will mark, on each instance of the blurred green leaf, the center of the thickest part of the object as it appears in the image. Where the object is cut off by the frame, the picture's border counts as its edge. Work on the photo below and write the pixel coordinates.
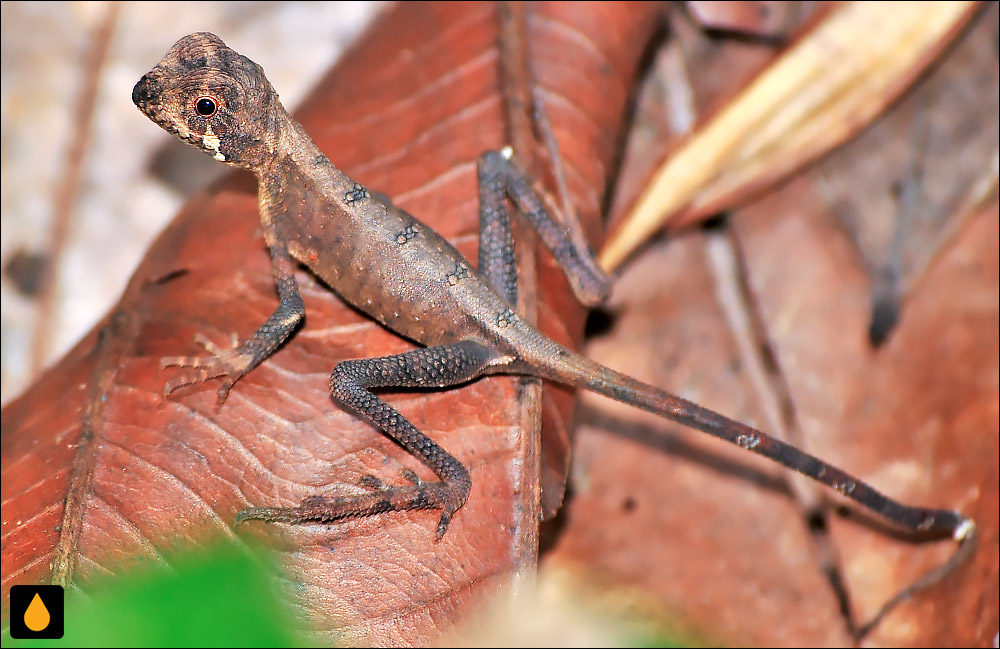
(224, 597)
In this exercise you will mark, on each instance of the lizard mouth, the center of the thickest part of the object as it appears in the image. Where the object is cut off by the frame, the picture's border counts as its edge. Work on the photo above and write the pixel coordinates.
(146, 95)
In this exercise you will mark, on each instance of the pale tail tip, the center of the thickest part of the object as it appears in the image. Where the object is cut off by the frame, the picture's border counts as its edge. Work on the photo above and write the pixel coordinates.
(965, 529)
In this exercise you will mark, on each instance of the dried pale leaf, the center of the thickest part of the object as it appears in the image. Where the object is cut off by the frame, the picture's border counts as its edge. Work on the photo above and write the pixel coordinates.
(816, 95)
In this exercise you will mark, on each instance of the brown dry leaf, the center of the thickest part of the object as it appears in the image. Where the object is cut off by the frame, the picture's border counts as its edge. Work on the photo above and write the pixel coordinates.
(407, 111)
(813, 97)
(712, 543)
(928, 163)
(700, 536)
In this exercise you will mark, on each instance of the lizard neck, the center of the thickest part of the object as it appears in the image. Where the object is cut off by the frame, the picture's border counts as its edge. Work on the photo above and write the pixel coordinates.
(293, 145)
(296, 156)
(302, 192)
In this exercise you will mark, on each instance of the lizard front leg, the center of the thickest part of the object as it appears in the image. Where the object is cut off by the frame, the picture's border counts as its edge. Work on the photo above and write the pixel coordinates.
(350, 384)
(234, 362)
(499, 179)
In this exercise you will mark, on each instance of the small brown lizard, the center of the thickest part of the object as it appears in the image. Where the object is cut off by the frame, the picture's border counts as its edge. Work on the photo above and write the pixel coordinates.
(407, 277)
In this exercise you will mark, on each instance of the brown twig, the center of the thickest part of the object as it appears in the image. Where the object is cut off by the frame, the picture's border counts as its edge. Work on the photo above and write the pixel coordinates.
(68, 188)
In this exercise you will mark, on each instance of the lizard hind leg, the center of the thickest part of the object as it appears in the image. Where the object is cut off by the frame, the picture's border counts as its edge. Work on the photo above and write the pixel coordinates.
(350, 384)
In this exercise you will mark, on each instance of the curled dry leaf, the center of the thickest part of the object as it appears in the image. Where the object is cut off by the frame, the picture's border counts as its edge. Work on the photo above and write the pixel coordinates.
(820, 92)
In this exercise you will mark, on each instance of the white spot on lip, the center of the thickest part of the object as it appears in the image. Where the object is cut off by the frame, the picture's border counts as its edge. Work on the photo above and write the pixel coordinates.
(211, 143)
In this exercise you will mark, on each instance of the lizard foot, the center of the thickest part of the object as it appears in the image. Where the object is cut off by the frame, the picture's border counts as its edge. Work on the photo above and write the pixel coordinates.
(228, 362)
(380, 498)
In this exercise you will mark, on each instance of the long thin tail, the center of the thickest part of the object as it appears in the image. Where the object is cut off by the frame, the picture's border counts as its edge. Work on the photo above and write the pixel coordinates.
(576, 370)
(559, 364)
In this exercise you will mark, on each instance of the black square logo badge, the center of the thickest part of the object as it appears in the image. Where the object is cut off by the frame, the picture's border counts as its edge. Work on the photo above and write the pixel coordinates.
(36, 612)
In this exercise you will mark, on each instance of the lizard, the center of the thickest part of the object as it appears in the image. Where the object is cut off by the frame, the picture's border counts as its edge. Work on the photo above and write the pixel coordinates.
(418, 285)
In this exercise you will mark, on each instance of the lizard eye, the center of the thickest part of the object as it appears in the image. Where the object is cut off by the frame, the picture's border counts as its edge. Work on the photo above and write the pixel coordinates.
(206, 106)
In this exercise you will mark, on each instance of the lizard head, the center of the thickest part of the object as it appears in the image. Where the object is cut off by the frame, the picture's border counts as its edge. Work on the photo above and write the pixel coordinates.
(214, 98)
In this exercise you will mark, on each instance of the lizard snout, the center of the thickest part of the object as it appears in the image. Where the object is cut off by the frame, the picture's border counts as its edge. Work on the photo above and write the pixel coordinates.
(143, 91)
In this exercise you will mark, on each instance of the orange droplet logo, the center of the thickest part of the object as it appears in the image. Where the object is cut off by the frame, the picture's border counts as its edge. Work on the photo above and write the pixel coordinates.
(36, 617)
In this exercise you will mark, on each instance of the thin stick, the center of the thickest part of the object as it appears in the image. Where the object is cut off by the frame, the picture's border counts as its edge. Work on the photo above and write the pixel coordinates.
(63, 207)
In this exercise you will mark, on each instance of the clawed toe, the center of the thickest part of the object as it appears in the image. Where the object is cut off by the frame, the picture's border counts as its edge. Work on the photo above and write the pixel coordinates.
(215, 350)
(221, 362)
(194, 375)
(224, 389)
(411, 477)
(371, 483)
(170, 386)
(443, 524)
(379, 498)
(267, 514)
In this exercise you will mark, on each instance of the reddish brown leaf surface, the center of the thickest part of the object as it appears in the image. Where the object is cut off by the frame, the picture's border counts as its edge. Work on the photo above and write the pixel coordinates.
(711, 539)
(407, 111)
(692, 533)
(700, 533)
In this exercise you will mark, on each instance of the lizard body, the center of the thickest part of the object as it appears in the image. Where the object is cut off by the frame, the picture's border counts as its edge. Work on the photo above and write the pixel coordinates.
(391, 266)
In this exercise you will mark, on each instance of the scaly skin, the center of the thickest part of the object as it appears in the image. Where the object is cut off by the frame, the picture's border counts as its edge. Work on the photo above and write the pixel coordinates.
(416, 284)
